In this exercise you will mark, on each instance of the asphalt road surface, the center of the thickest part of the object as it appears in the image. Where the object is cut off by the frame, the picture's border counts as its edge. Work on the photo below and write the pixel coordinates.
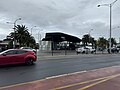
(14, 74)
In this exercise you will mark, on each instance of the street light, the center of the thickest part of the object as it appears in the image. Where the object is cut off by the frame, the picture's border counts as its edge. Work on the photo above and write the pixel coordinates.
(32, 29)
(89, 33)
(119, 37)
(39, 38)
(14, 27)
(118, 28)
(110, 6)
(14, 32)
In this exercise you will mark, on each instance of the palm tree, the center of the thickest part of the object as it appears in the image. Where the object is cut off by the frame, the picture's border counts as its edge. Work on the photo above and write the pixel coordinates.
(31, 41)
(22, 36)
(85, 39)
(88, 39)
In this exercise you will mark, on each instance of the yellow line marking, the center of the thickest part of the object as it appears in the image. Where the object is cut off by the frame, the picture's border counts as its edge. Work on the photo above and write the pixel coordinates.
(91, 85)
(31, 82)
(85, 82)
(15, 85)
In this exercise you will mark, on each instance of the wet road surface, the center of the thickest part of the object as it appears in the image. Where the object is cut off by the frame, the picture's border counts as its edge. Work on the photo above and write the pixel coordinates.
(15, 74)
(98, 79)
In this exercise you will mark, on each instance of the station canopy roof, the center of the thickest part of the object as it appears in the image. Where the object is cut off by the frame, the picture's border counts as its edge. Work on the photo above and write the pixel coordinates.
(59, 37)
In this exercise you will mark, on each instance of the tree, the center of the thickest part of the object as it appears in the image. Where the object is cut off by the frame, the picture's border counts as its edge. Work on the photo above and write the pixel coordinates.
(102, 42)
(31, 41)
(88, 39)
(92, 41)
(113, 41)
(85, 39)
(22, 36)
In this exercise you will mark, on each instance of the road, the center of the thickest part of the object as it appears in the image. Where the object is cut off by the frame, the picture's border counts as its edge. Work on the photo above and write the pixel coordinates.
(14, 74)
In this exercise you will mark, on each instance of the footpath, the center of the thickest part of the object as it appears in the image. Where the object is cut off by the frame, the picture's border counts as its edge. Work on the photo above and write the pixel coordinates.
(64, 54)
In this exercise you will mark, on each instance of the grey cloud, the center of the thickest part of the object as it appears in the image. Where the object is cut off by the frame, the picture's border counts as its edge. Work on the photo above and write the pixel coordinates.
(61, 15)
(2, 36)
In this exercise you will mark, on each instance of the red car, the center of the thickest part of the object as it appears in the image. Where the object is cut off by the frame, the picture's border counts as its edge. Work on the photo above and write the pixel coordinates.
(17, 56)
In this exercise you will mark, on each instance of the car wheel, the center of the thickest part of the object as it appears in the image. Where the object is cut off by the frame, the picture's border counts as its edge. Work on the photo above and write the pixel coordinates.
(29, 61)
(92, 52)
(78, 52)
(83, 52)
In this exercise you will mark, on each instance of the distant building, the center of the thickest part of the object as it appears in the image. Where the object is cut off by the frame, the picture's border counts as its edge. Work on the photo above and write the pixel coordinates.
(5, 44)
(118, 45)
(59, 41)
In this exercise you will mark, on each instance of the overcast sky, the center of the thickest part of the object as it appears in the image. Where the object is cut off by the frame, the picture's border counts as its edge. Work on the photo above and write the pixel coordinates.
(74, 17)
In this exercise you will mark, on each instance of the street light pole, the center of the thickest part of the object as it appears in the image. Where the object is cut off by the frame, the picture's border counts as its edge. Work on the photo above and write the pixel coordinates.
(89, 33)
(39, 41)
(110, 27)
(39, 38)
(110, 6)
(32, 29)
(14, 44)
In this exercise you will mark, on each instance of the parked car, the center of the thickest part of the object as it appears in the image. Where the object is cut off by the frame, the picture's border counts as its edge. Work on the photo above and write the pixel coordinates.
(17, 56)
(85, 50)
(82, 50)
(29, 48)
(115, 50)
(91, 49)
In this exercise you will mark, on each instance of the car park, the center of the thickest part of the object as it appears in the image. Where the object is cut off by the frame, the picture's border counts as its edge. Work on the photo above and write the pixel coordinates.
(17, 56)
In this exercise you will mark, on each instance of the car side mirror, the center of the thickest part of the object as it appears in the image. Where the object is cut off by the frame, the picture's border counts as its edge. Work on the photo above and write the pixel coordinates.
(4, 54)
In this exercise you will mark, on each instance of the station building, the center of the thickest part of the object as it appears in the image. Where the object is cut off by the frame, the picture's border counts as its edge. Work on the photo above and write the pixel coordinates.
(59, 41)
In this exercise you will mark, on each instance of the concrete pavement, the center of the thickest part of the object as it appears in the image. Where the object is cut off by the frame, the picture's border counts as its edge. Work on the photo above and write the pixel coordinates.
(42, 55)
(63, 52)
